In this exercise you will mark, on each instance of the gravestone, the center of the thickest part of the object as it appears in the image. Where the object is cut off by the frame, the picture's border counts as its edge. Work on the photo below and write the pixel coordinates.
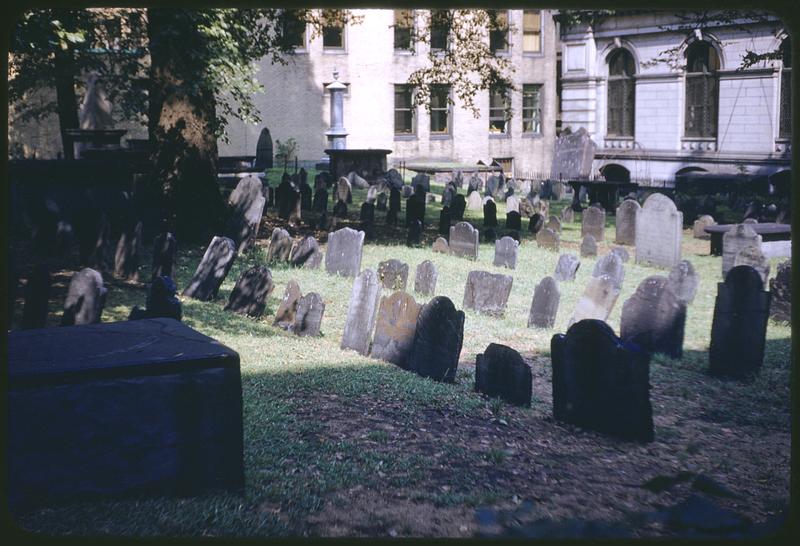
(464, 240)
(280, 246)
(437, 340)
(458, 206)
(474, 201)
(654, 318)
(572, 156)
(126, 258)
(422, 180)
(594, 223)
(526, 208)
(102, 255)
(501, 372)
(566, 268)
(414, 236)
(546, 189)
(683, 281)
(287, 310)
(489, 214)
(425, 278)
(344, 192)
(553, 223)
(249, 295)
(161, 301)
(626, 222)
(698, 228)
(394, 179)
(659, 228)
(393, 274)
(621, 253)
(367, 220)
(558, 190)
(601, 383)
(343, 256)
(372, 194)
(487, 293)
(536, 223)
(212, 270)
(37, 298)
(380, 202)
(474, 184)
(308, 318)
(362, 312)
(751, 255)
(734, 240)
(395, 328)
(739, 326)
(611, 266)
(444, 221)
(320, 203)
(567, 215)
(165, 251)
(588, 246)
(394, 206)
(264, 150)
(449, 192)
(544, 305)
(415, 209)
(245, 209)
(597, 301)
(286, 196)
(548, 239)
(441, 245)
(340, 210)
(306, 253)
(86, 297)
(493, 187)
(489, 235)
(780, 289)
(356, 181)
(512, 204)
(305, 196)
(505, 253)
(514, 221)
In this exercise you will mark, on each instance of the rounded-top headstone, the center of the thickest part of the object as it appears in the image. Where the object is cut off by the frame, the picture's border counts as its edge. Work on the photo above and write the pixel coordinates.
(683, 281)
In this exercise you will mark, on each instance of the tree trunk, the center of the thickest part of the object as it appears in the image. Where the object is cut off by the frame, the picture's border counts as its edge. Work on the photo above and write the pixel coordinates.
(67, 102)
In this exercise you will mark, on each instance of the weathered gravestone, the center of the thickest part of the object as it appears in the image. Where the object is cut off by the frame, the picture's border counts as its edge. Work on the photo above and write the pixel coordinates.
(394, 179)
(474, 183)
(572, 156)
(414, 235)
(343, 256)
(489, 235)
(425, 278)
(245, 209)
(367, 220)
(357, 181)
(395, 328)
(437, 340)
(280, 245)
(683, 281)
(458, 206)
(611, 266)
(512, 204)
(287, 310)
(513, 221)
(621, 253)
(415, 209)
(659, 227)
(441, 245)
(700, 225)
(344, 191)
(126, 258)
(37, 296)
(588, 246)
(372, 194)
(362, 312)
(489, 214)
(86, 297)
(249, 295)
(501, 372)
(394, 206)
(165, 251)
(526, 208)
(600, 382)
(449, 192)
(487, 293)
(306, 193)
(380, 202)
(553, 223)
(494, 187)
(780, 289)
(393, 274)
(464, 240)
(423, 180)
(287, 197)
(320, 203)
(594, 223)
(734, 240)
(306, 253)
(212, 270)
(566, 268)
(161, 301)
(444, 221)
(505, 253)
(102, 255)
(544, 305)
(626, 222)
(536, 223)
(549, 239)
(474, 201)
(567, 215)
(308, 317)
(654, 318)
(751, 255)
(739, 326)
(597, 300)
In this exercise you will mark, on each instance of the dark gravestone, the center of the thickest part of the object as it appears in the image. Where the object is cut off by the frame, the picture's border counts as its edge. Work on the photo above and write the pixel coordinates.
(588, 246)
(380, 202)
(683, 281)
(546, 191)
(654, 318)
(493, 186)
(37, 296)
(305, 196)
(249, 295)
(566, 268)
(572, 156)
(395, 328)
(161, 301)
(287, 310)
(414, 236)
(437, 340)
(513, 221)
(165, 251)
(621, 253)
(394, 179)
(464, 240)
(245, 209)
(544, 305)
(449, 192)
(280, 246)
(458, 206)
(422, 180)
(739, 327)
(487, 293)
(406, 191)
(126, 258)
(536, 223)
(394, 206)
(610, 265)
(501, 372)
(308, 319)
(362, 312)
(285, 195)
(306, 253)
(340, 210)
(489, 214)
(601, 382)
(425, 279)
(415, 209)
(102, 255)
(212, 270)
(474, 184)
(320, 203)
(780, 288)
(86, 298)
(367, 220)
(118, 409)
(264, 150)
(444, 221)
(393, 274)
(506, 251)
(489, 235)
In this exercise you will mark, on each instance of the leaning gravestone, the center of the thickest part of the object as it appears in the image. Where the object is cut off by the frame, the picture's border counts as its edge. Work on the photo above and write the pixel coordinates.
(600, 382)
(437, 340)
(588, 246)
(280, 245)
(505, 253)
(654, 318)
(611, 266)
(566, 268)
(362, 312)
(501, 372)
(626, 222)
(344, 192)
(343, 256)
(212, 270)
(165, 250)
(249, 295)
(536, 223)
(597, 300)
(126, 258)
(683, 281)
(567, 215)
(306, 253)
(425, 278)
(245, 208)
(780, 289)
(739, 327)
(458, 206)
(287, 310)
(474, 201)
(572, 156)
(659, 227)
(395, 328)
(489, 214)
(393, 274)
(594, 223)
(700, 225)
(751, 255)
(734, 240)
(441, 245)
(37, 296)
(356, 181)
(308, 318)
(86, 298)
(544, 305)
(464, 240)
(549, 239)
(487, 293)
(553, 223)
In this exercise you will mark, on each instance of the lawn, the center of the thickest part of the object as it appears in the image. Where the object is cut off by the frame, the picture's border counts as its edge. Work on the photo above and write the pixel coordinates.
(337, 444)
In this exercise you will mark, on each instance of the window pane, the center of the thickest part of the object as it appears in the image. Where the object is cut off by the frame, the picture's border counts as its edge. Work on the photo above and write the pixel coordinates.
(531, 111)
(439, 29)
(531, 31)
(294, 30)
(402, 121)
(333, 31)
(403, 23)
(785, 128)
(402, 98)
(498, 34)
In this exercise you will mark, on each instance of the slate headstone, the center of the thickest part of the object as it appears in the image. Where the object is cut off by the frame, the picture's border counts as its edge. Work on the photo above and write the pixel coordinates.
(441, 245)
(536, 223)
(86, 297)
(588, 246)
(367, 220)
(444, 221)
(306, 199)
(165, 251)
(572, 156)
(489, 235)
(544, 305)
(548, 239)
(264, 158)
(414, 235)
(566, 268)
(698, 228)
(597, 301)
(621, 253)
(683, 281)
(422, 180)
(306, 253)
(415, 209)
(320, 203)
(394, 179)
(594, 223)
(362, 312)
(734, 240)
(308, 317)
(753, 256)
(514, 221)
(464, 240)
(437, 340)
(287, 310)
(212, 269)
(567, 215)
(505, 253)
(161, 301)
(449, 192)
(659, 228)
(654, 318)
(489, 214)
(474, 184)
(425, 278)
(245, 209)
(343, 255)
(37, 298)
(280, 246)
(487, 293)
(380, 202)
(501, 372)
(393, 274)
(249, 295)
(126, 258)
(626, 222)
(611, 266)
(394, 206)
(458, 206)
(286, 197)
(780, 289)
(395, 328)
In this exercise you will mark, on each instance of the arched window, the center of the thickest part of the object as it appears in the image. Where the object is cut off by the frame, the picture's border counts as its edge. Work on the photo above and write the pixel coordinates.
(702, 90)
(621, 93)
(785, 121)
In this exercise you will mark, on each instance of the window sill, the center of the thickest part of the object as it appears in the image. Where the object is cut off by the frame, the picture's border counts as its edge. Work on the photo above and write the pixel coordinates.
(405, 52)
(531, 135)
(404, 136)
(499, 135)
(535, 54)
(334, 51)
(441, 136)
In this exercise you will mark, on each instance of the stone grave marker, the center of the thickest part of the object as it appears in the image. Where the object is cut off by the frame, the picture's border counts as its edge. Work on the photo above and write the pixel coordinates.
(597, 301)
(165, 251)
(505, 253)
(487, 293)
(394, 179)
(437, 340)
(126, 258)
(474, 201)
(320, 203)
(393, 274)
(458, 206)
(626, 222)
(356, 181)
(394, 206)
(489, 214)
(611, 266)
(287, 310)
(308, 318)
(683, 281)
(37, 297)
(512, 204)
(548, 239)
(567, 215)
(566, 268)
(212, 270)
(544, 305)
(751, 255)
(659, 227)
(367, 220)
(86, 297)
(489, 235)
(344, 191)
(245, 209)
(572, 156)
(425, 278)
(343, 256)
(372, 194)
(423, 180)
(380, 202)
(474, 183)
(441, 245)
(395, 328)
(414, 235)
(415, 209)
(780, 289)
(734, 240)
(553, 223)
(464, 240)
(654, 318)
(588, 246)
(536, 223)
(594, 223)
(444, 221)
(280, 246)
(362, 312)
(306, 253)
(526, 208)
(514, 221)
(501, 372)
(249, 295)
(286, 196)
(449, 192)
(700, 225)
(161, 301)
(621, 253)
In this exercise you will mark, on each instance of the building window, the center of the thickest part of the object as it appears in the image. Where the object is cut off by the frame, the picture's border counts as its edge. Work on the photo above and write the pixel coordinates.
(293, 29)
(333, 29)
(532, 31)
(621, 93)
(785, 121)
(403, 110)
(702, 90)
(498, 31)
(531, 109)
(440, 29)
(403, 28)
(440, 109)
(498, 110)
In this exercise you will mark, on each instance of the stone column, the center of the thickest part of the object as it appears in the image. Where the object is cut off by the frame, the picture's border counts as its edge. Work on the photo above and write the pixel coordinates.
(337, 134)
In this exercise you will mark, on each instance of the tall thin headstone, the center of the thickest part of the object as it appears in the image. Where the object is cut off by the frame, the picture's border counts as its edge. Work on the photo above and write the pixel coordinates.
(212, 270)
(362, 312)
(626, 222)
(544, 305)
(659, 228)
(425, 278)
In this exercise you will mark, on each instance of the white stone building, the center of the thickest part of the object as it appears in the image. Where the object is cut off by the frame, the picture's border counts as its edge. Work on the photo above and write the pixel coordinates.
(653, 120)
